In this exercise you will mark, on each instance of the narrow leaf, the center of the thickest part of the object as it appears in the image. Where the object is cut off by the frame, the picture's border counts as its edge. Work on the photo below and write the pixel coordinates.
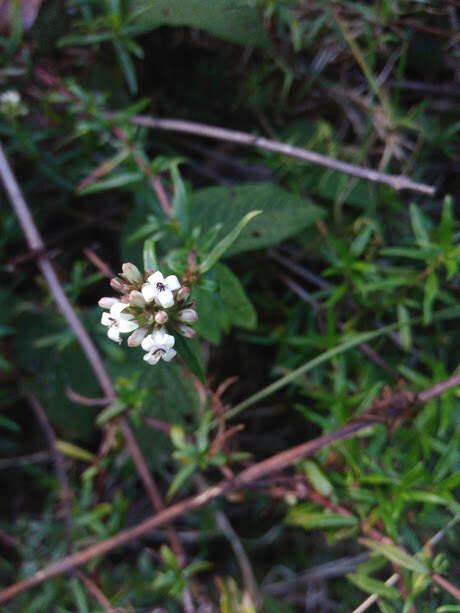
(222, 246)
(398, 556)
(73, 451)
(373, 586)
(150, 256)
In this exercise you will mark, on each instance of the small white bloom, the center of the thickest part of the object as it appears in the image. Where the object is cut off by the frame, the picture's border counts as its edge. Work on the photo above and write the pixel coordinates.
(160, 290)
(11, 104)
(136, 338)
(118, 322)
(158, 345)
(136, 299)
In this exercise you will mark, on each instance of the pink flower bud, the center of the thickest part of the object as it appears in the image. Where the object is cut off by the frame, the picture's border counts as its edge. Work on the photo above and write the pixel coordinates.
(188, 315)
(183, 294)
(187, 331)
(161, 317)
(131, 273)
(106, 303)
(117, 284)
(136, 299)
(137, 337)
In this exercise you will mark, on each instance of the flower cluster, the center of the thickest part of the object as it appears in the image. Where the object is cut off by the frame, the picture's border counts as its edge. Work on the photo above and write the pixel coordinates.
(11, 104)
(149, 306)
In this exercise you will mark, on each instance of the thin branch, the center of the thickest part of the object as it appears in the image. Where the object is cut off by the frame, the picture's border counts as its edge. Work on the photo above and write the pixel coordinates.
(397, 182)
(96, 592)
(35, 242)
(396, 406)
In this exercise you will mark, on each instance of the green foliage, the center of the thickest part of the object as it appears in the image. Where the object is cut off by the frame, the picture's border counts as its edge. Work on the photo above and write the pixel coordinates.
(234, 20)
(317, 294)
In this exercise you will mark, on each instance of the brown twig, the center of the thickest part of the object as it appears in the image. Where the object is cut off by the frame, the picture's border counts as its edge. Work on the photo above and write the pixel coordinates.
(246, 477)
(397, 182)
(35, 242)
(96, 592)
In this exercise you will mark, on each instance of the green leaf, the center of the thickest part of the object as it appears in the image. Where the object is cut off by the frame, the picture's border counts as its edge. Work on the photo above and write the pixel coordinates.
(232, 20)
(240, 309)
(120, 180)
(150, 256)
(181, 478)
(113, 410)
(317, 477)
(419, 225)
(284, 214)
(373, 586)
(189, 356)
(303, 517)
(405, 330)
(74, 451)
(430, 292)
(225, 243)
(360, 242)
(398, 556)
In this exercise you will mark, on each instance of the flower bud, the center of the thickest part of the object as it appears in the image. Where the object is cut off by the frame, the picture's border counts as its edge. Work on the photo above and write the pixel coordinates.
(188, 315)
(106, 303)
(117, 284)
(161, 317)
(183, 294)
(137, 337)
(131, 273)
(187, 331)
(136, 299)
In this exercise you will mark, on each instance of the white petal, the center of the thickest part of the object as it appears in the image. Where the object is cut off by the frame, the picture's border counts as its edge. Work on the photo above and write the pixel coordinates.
(168, 356)
(157, 277)
(127, 326)
(107, 302)
(149, 292)
(165, 298)
(106, 319)
(152, 359)
(148, 343)
(169, 341)
(117, 308)
(114, 334)
(172, 282)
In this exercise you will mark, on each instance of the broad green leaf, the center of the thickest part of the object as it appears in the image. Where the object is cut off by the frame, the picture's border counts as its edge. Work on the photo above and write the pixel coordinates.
(149, 255)
(398, 556)
(303, 517)
(225, 243)
(284, 214)
(212, 315)
(183, 348)
(233, 20)
(239, 308)
(373, 586)
(51, 371)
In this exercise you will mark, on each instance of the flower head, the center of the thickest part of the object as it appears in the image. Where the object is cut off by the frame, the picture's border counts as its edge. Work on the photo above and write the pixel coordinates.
(118, 322)
(11, 104)
(158, 345)
(160, 290)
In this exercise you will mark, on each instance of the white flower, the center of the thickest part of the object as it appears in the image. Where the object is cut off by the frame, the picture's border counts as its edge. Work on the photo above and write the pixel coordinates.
(11, 104)
(160, 290)
(158, 345)
(118, 321)
(10, 97)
